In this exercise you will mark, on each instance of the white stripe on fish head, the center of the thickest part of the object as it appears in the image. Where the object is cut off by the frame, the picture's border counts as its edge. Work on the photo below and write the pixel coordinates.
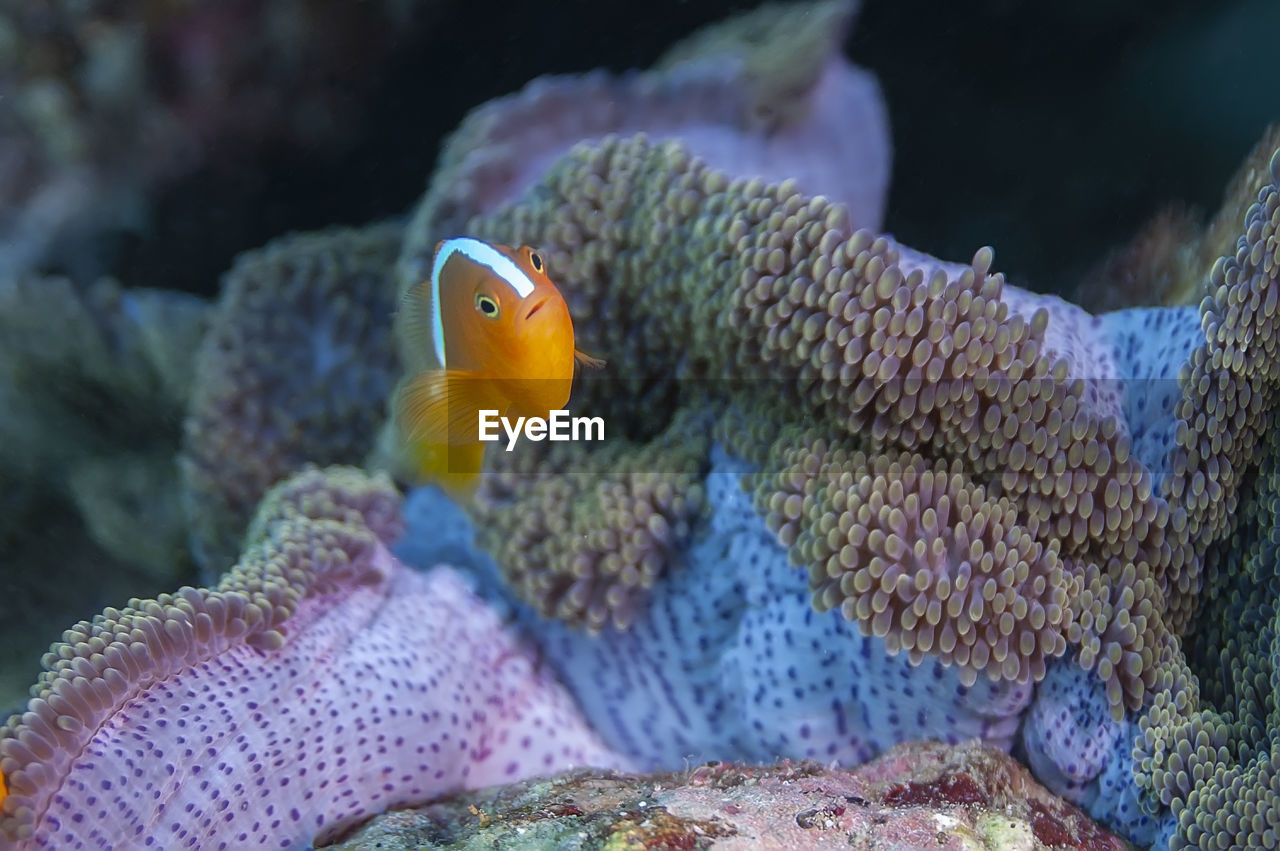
(481, 253)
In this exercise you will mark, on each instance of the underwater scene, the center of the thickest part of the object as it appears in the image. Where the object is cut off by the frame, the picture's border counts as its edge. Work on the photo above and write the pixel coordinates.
(680, 424)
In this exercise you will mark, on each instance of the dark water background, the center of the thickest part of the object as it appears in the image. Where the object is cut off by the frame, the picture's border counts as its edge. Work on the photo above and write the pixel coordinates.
(1051, 131)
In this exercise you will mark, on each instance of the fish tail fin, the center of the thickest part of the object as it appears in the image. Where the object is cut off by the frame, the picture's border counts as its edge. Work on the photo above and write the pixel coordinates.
(455, 469)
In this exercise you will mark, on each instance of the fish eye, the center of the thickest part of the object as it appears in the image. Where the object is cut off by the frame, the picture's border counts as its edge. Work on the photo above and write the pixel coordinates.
(487, 305)
(536, 260)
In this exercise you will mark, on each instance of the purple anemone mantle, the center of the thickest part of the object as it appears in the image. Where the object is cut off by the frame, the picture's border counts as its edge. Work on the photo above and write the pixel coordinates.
(320, 682)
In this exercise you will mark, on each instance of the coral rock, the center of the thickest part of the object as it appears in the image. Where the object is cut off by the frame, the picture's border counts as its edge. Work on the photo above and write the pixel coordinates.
(917, 796)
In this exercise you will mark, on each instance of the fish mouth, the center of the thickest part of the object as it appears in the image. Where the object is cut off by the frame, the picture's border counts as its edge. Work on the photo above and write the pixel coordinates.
(535, 308)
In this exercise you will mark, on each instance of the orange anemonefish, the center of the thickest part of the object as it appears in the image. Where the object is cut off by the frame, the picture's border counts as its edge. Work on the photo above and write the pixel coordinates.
(490, 331)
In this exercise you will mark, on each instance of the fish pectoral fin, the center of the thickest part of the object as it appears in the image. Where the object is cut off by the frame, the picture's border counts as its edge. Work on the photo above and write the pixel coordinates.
(443, 407)
(587, 360)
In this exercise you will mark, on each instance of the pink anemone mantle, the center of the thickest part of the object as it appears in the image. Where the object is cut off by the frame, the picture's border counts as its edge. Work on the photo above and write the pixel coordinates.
(320, 682)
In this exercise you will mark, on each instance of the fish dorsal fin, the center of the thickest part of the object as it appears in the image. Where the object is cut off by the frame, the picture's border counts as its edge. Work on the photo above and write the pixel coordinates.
(418, 327)
(443, 406)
